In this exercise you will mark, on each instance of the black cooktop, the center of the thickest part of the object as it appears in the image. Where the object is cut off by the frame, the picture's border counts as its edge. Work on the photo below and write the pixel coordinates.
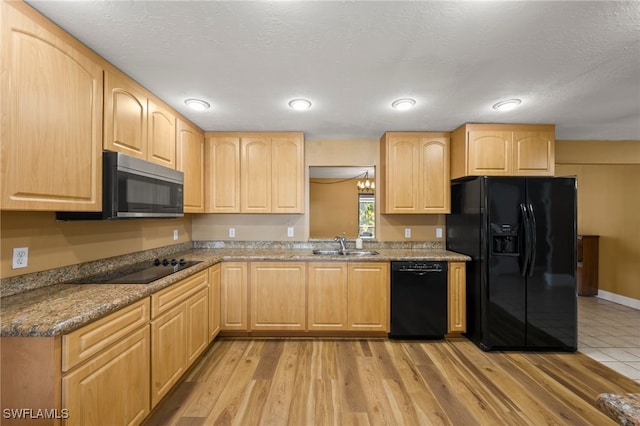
(143, 273)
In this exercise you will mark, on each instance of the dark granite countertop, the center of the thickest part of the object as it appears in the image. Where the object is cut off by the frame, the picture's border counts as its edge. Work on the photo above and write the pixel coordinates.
(61, 308)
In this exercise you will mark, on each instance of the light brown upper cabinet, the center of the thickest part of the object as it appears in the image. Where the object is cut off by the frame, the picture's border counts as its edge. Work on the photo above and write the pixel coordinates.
(414, 172)
(135, 123)
(161, 145)
(190, 161)
(222, 174)
(51, 113)
(256, 172)
(503, 150)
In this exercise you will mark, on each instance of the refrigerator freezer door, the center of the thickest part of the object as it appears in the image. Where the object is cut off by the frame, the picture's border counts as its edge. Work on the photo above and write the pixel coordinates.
(505, 285)
(551, 284)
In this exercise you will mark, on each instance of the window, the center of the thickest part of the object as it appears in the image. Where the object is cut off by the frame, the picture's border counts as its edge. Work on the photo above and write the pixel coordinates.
(366, 216)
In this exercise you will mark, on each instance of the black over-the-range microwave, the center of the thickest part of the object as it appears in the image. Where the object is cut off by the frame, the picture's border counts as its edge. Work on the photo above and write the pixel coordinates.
(134, 188)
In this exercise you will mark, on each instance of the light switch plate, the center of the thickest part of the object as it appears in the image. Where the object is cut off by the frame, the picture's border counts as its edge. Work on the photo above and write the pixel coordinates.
(438, 232)
(290, 231)
(407, 232)
(175, 234)
(232, 232)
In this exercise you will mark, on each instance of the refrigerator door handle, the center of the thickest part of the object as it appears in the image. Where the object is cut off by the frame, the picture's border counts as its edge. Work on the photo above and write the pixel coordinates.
(532, 240)
(527, 242)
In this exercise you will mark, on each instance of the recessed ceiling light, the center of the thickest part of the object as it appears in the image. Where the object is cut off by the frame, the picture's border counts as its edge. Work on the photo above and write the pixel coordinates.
(299, 104)
(507, 105)
(403, 104)
(197, 104)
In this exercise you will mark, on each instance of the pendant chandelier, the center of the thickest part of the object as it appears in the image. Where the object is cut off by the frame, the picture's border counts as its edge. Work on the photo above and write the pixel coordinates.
(366, 185)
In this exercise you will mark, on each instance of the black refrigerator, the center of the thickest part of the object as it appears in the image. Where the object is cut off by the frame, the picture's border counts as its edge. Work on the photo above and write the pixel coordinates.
(521, 282)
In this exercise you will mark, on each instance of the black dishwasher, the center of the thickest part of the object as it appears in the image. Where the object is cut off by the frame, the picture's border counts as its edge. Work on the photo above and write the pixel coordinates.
(418, 300)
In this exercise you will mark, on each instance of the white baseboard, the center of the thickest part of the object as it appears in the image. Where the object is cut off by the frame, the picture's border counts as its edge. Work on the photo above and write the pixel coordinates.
(617, 298)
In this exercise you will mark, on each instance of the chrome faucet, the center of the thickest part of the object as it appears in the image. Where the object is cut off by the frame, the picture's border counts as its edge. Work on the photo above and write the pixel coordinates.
(341, 239)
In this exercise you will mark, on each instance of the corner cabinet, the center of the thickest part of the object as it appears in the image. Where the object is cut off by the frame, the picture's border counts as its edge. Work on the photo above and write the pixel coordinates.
(414, 169)
(503, 150)
(255, 172)
(190, 161)
(51, 113)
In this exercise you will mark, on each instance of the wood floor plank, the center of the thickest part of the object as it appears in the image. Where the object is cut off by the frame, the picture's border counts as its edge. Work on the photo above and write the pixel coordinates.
(427, 407)
(276, 408)
(300, 382)
(231, 396)
(215, 377)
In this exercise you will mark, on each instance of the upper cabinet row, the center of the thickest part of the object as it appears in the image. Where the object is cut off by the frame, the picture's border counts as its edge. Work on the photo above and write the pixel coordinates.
(254, 172)
(63, 105)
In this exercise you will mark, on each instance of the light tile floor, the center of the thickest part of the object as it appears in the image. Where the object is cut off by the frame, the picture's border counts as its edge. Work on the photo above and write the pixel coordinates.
(610, 333)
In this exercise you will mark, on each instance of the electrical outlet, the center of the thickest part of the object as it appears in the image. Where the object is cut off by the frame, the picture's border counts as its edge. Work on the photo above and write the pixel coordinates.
(438, 232)
(20, 257)
(290, 231)
(232, 232)
(407, 232)
(175, 234)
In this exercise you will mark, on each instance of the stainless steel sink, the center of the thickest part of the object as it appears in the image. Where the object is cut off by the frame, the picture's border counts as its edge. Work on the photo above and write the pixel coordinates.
(345, 253)
(361, 253)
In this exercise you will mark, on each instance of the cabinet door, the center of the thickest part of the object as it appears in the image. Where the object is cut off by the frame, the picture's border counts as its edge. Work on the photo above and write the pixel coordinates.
(197, 311)
(533, 153)
(233, 296)
(489, 153)
(214, 301)
(255, 172)
(51, 108)
(190, 161)
(368, 296)
(327, 307)
(401, 183)
(168, 351)
(161, 146)
(277, 296)
(222, 170)
(457, 298)
(125, 115)
(434, 175)
(113, 387)
(287, 171)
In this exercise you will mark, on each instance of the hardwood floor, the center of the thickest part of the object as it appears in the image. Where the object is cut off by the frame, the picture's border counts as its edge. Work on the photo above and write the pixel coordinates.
(379, 381)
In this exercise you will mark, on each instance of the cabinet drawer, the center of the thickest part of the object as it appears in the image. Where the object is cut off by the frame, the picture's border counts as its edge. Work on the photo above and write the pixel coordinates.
(85, 342)
(171, 296)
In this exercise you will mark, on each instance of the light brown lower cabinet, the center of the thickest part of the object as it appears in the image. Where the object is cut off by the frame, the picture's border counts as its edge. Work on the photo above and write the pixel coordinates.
(327, 296)
(179, 331)
(278, 295)
(368, 298)
(457, 295)
(348, 296)
(214, 301)
(234, 314)
(111, 388)
(106, 369)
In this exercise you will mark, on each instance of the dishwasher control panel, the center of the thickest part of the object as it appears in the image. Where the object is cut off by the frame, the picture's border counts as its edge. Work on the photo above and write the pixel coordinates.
(419, 266)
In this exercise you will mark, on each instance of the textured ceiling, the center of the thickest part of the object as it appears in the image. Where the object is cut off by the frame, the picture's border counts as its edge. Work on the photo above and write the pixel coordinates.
(574, 64)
